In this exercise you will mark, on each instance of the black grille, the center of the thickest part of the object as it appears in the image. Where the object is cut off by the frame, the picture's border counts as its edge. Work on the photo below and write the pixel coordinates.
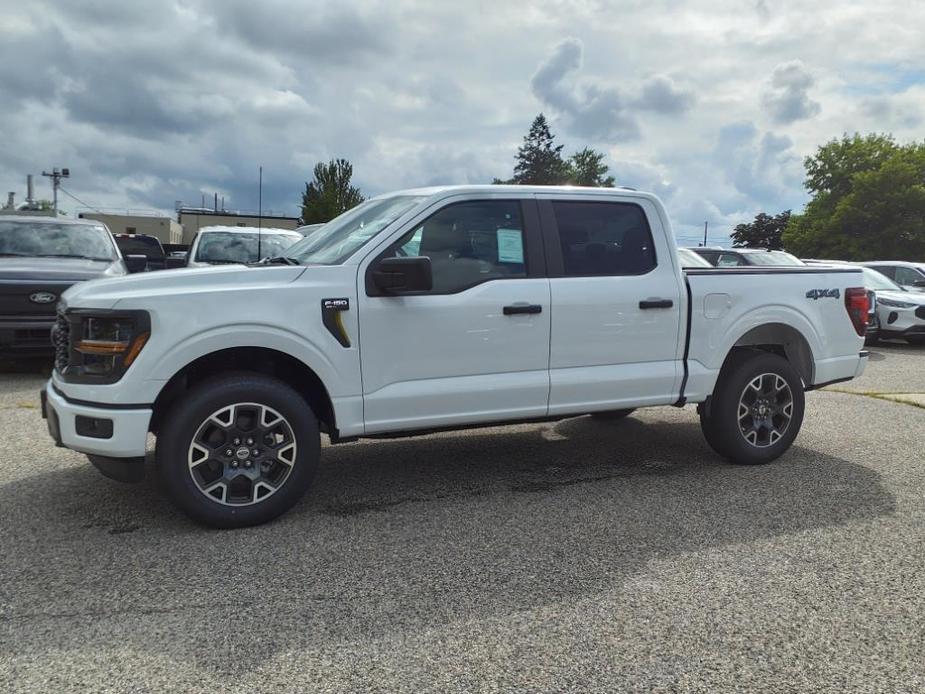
(920, 312)
(61, 339)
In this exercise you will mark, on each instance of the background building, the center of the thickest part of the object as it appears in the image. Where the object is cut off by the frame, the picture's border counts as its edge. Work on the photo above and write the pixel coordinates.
(194, 218)
(153, 224)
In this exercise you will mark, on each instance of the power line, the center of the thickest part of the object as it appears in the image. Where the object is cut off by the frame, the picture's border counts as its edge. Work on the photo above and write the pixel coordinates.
(71, 195)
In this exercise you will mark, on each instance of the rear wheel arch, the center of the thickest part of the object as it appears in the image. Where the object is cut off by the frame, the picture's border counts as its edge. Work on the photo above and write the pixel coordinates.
(259, 360)
(783, 340)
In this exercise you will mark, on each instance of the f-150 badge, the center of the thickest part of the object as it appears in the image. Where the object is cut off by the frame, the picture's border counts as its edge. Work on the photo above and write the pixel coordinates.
(330, 316)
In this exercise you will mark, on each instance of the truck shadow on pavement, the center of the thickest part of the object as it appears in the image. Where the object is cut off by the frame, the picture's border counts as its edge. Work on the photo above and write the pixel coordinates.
(399, 536)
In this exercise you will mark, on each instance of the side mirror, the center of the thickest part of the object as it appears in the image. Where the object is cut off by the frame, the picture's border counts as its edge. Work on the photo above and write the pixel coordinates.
(171, 262)
(136, 263)
(919, 283)
(400, 275)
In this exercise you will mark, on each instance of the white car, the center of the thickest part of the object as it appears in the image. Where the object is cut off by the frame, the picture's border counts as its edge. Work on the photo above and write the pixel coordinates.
(897, 312)
(221, 245)
(900, 312)
(690, 259)
(438, 308)
(906, 274)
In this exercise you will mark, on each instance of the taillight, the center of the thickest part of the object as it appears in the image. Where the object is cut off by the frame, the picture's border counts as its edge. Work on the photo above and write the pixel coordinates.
(857, 304)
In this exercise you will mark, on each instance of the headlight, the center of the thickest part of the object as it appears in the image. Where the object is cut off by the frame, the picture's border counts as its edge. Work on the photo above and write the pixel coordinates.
(103, 344)
(893, 303)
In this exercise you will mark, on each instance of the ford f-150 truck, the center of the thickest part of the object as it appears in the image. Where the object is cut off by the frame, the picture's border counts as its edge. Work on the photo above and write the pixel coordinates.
(438, 308)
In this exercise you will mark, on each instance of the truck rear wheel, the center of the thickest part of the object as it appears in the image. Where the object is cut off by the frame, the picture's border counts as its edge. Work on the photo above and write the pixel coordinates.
(238, 450)
(756, 410)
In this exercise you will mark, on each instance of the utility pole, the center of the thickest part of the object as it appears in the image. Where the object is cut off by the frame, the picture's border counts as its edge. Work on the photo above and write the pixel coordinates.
(259, 211)
(56, 177)
(704, 233)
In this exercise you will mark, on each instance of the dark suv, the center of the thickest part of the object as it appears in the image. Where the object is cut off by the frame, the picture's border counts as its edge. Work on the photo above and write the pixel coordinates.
(142, 244)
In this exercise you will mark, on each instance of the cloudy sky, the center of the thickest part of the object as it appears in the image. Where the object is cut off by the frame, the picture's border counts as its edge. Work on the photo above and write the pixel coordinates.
(711, 104)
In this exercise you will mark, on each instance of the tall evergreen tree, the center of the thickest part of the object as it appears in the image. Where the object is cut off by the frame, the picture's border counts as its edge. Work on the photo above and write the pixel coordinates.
(331, 193)
(539, 161)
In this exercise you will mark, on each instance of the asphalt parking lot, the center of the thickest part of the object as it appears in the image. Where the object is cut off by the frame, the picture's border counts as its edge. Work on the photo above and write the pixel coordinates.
(574, 556)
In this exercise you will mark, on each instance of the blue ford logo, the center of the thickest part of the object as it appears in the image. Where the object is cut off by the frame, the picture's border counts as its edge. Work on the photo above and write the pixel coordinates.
(42, 298)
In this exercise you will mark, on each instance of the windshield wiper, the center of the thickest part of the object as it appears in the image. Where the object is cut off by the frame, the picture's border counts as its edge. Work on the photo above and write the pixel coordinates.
(277, 260)
(68, 255)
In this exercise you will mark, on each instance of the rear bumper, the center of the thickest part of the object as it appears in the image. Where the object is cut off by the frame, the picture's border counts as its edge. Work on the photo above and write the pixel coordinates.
(840, 369)
(129, 427)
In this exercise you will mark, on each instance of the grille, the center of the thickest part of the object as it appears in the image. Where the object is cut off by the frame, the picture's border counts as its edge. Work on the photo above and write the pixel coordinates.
(920, 312)
(61, 339)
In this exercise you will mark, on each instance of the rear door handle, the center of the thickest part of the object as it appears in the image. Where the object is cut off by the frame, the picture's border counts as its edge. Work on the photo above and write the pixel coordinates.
(522, 308)
(656, 303)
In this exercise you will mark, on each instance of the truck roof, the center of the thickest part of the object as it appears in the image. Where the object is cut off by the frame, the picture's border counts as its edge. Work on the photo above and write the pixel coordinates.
(42, 219)
(249, 230)
(507, 188)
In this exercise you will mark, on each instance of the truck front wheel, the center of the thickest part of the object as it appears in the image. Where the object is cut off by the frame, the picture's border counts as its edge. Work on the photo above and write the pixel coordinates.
(238, 450)
(756, 410)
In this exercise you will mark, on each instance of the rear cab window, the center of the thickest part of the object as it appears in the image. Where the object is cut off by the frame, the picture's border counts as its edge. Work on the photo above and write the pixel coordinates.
(603, 238)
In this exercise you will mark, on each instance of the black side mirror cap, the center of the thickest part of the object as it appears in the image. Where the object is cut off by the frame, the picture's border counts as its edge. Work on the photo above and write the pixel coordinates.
(136, 263)
(172, 262)
(403, 275)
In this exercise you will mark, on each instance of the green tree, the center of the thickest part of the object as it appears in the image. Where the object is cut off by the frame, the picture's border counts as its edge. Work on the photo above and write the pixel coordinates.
(538, 160)
(587, 168)
(764, 232)
(331, 193)
(868, 201)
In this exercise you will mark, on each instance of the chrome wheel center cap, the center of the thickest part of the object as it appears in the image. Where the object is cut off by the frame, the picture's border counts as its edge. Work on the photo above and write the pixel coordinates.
(242, 453)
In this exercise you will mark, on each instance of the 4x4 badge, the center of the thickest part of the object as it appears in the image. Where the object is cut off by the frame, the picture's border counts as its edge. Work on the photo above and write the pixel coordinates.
(823, 294)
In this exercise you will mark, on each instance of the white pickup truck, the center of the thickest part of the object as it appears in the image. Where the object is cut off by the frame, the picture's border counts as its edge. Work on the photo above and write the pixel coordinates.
(439, 308)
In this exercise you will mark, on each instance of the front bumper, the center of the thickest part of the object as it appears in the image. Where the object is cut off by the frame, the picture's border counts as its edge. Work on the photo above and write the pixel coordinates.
(128, 438)
(26, 337)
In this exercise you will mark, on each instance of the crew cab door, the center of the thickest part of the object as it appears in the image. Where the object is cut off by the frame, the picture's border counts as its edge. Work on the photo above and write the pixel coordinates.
(616, 331)
(474, 348)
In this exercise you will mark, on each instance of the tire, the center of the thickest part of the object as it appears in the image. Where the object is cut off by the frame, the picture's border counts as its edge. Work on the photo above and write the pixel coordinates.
(256, 482)
(771, 390)
(613, 415)
(871, 340)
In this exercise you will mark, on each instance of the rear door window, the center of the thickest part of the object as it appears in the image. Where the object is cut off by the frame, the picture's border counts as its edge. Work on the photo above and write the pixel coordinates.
(604, 238)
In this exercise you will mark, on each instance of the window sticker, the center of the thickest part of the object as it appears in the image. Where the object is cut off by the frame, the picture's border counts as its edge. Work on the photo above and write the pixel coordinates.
(510, 246)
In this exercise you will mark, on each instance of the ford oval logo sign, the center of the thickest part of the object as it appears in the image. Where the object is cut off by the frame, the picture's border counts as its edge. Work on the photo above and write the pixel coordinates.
(42, 298)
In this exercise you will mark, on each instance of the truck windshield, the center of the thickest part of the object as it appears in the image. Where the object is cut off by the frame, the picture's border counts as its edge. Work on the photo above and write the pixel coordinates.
(874, 280)
(50, 240)
(336, 241)
(772, 258)
(241, 247)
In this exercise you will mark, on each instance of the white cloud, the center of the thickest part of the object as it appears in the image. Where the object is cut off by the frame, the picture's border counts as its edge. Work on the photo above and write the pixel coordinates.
(711, 104)
(788, 97)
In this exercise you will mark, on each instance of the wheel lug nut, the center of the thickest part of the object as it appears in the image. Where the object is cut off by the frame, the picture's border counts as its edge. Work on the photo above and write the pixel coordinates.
(236, 442)
(250, 441)
(228, 452)
(255, 452)
(234, 463)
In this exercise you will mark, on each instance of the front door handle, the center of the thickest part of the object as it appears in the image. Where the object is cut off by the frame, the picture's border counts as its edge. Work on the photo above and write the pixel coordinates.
(522, 308)
(656, 303)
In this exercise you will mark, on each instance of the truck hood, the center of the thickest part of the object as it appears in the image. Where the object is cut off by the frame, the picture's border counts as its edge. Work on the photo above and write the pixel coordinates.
(134, 289)
(907, 297)
(58, 269)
